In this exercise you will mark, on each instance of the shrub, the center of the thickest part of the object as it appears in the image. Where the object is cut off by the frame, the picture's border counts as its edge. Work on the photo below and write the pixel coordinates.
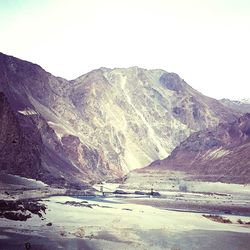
(217, 218)
(240, 221)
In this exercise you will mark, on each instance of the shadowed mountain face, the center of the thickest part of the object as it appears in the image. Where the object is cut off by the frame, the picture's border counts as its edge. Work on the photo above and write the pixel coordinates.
(220, 154)
(19, 151)
(103, 123)
(30, 147)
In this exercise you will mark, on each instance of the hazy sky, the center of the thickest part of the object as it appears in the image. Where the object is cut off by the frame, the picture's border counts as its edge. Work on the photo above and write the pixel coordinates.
(207, 42)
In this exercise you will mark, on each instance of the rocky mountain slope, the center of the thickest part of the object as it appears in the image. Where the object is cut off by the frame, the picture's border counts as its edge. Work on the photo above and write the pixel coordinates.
(240, 106)
(29, 145)
(136, 116)
(220, 154)
(30, 148)
(16, 147)
(103, 123)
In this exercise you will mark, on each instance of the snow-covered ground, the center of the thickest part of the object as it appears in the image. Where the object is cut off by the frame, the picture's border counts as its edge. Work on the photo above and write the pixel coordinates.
(13, 187)
(174, 220)
(177, 181)
(179, 192)
(112, 223)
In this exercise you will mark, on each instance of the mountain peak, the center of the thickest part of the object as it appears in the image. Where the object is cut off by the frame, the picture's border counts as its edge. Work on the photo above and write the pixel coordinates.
(172, 81)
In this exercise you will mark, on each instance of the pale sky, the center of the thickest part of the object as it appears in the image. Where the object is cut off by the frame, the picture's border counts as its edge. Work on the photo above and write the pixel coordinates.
(207, 42)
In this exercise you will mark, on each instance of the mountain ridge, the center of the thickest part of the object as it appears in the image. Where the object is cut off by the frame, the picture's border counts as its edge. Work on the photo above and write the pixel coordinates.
(237, 105)
(121, 118)
(218, 154)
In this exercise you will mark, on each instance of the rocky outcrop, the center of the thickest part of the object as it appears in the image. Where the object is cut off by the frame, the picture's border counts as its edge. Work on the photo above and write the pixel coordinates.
(89, 161)
(19, 152)
(172, 82)
(220, 154)
(31, 148)
(21, 210)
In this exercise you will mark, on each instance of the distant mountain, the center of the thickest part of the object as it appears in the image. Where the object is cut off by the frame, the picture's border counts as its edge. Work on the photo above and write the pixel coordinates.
(102, 124)
(219, 154)
(240, 105)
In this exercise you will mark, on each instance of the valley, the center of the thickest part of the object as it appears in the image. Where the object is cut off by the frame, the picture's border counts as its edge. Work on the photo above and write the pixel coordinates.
(123, 158)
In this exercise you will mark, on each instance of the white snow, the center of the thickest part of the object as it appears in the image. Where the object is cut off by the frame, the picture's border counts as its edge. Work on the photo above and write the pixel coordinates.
(243, 101)
(28, 112)
(171, 181)
(112, 214)
(114, 223)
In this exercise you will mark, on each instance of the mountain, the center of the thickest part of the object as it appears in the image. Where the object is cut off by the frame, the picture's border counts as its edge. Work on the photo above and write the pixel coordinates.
(242, 106)
(219, 154)
(102, 124)
(30, 148)
(137, 115)
(29, 145)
